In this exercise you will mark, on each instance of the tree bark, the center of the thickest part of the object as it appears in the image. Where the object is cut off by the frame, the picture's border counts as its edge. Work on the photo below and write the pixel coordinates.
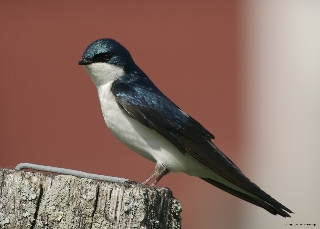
(37, 200)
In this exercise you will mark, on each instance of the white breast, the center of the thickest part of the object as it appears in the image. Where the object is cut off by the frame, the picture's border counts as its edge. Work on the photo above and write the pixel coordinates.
(146, 142)
(138, 137)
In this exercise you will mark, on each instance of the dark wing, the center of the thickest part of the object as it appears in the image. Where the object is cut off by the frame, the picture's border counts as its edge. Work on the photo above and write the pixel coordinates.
(143, 101)
(150, 107)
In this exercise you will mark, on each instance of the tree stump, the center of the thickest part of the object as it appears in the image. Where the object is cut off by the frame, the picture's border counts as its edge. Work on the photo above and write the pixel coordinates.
(37, 200)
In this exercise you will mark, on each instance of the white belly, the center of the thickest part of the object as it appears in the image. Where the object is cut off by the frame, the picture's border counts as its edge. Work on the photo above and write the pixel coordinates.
(146, 142)
(139, 138)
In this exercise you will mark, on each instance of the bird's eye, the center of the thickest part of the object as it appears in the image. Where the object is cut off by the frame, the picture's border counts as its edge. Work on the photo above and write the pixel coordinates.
(102, 57)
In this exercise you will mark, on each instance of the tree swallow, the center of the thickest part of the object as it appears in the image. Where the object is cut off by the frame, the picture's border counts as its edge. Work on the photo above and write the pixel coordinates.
(149, 123)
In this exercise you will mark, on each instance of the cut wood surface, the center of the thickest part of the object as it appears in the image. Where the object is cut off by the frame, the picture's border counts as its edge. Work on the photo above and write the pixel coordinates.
(37, 200)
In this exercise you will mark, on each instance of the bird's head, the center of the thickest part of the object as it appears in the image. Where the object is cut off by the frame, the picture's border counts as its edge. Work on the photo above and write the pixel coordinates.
(106, 60)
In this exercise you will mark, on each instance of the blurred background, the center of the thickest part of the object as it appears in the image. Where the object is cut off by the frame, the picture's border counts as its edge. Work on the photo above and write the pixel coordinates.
(247, 70)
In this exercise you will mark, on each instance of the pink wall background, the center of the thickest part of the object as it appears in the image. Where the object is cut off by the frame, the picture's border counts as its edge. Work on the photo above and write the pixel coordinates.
(49, 109)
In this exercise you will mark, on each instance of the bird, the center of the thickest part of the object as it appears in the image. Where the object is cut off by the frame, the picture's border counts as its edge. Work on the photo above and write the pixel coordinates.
(149, 123)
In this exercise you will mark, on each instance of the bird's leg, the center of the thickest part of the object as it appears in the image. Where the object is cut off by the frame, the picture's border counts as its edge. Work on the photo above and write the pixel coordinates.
(159, 172)
(149, 178)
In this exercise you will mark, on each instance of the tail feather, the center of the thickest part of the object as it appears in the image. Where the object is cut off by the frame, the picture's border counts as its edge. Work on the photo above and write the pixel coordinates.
(270, 204)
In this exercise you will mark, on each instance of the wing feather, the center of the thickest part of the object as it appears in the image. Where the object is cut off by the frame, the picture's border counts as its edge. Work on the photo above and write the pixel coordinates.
(143, 101)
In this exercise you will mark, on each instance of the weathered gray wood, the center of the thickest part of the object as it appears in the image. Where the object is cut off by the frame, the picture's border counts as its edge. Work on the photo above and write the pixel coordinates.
(36, 200)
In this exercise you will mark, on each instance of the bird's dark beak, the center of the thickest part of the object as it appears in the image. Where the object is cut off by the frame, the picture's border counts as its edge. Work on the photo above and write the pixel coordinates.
(84, 62)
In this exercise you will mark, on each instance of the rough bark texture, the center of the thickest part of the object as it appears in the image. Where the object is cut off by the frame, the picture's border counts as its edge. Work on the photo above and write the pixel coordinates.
(36, 200)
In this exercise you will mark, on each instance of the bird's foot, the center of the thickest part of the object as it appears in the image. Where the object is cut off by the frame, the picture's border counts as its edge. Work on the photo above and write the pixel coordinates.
(159, 172)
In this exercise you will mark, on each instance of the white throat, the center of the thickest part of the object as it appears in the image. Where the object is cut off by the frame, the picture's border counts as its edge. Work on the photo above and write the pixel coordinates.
(103, 73)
